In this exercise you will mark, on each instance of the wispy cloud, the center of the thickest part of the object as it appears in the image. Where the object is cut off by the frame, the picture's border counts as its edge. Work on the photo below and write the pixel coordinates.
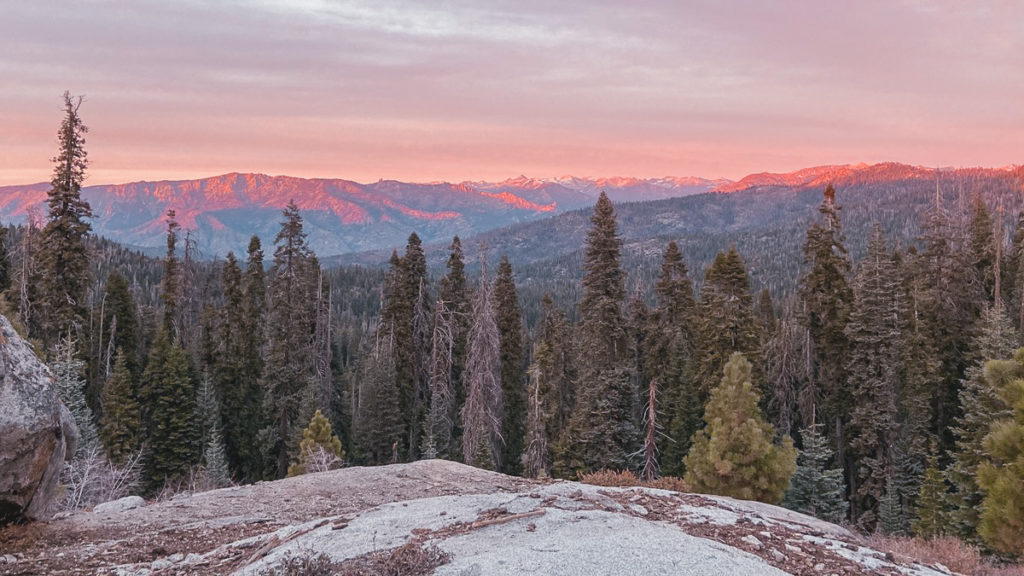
(468, 90)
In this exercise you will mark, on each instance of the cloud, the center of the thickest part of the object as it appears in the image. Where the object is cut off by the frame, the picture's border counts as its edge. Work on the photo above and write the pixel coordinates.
(460, 90)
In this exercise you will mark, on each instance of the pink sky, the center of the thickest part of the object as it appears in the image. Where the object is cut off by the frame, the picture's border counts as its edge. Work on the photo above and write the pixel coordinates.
(488, 90)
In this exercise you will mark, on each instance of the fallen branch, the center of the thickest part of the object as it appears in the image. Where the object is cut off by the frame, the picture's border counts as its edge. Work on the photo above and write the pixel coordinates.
(504, 519)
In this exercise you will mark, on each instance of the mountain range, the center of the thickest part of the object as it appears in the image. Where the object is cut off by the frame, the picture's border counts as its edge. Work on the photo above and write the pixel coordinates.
(352, 222)
(342, 216)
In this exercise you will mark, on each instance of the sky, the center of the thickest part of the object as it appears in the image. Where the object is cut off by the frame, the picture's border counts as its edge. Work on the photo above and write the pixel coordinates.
(454, 90)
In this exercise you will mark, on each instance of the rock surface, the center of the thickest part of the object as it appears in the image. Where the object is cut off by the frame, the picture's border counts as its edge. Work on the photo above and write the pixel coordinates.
(37, 433)
(485, 523)
(119, 505)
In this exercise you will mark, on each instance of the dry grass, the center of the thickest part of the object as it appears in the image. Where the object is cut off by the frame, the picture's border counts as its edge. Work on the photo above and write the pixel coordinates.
(625, 479)
(949, 551)
(413, 559)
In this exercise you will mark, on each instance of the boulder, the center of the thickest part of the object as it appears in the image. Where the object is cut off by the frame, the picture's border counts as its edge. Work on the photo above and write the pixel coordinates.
(37, 432)
(119, 505)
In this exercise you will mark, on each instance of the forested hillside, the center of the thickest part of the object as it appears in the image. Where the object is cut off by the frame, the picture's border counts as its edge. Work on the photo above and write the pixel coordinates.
(849, 352)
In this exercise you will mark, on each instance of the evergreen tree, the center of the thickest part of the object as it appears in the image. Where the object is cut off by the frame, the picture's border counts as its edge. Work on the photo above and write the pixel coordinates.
(558, 369)
(379, 427)
(513, 387)
(948, 310)
(169, 393)
(250, 376)
(982, 246)
(815, 489)
(981, 404)
(215, 460)
(320, 449)
(64, 264)
(170, 286)
(765, 313)
(288, 372)
(453, 294)
(670, 350)
(481, 415)
(826, 299)
(601, 432)
(121, 425)
(872, 369)
(208, 414)
(932, 502)
(235, 383)
(892, 519)
(120, 330)
(726, 325)
(1001, 475)
(734, 454)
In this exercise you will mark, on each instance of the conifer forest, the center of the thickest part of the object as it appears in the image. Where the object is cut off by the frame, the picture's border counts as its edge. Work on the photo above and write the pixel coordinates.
(881, 386)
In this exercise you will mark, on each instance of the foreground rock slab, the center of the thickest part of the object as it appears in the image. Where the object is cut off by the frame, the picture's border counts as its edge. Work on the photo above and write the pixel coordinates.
(37, 433)
(481, 522)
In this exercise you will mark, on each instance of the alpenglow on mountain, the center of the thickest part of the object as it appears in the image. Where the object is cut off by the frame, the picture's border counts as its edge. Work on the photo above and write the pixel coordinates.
(342, 216)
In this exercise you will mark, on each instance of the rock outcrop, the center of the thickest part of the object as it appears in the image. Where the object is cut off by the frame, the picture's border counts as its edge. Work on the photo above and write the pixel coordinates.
(37, 432)
(451, 518)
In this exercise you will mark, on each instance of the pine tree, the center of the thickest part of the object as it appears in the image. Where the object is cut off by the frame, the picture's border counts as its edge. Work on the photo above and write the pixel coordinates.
(171, 434)
(872, 374)
(120, 330)
(553, 355)
(208, 414)
(1001, 475)
(236, 385)
(250, 376)
(766, 314)
(601, 432)
(513, 387)
(170, 286)
(121, 424)
(826, 299)
(982, 246)
(932, 502)
(64, 264)
(481, 415)
(734, 454)
(379, 426)
(892, 520)
(981, 405)
(320, 449)
(670, 350)
(67, 373)
(288, 372)
(816, 489)
(725, 325)
(949, 306)
(454, 295)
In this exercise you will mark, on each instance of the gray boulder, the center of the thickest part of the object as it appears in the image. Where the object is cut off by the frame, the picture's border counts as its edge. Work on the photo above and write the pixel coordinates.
(119, 505)
(37, 432)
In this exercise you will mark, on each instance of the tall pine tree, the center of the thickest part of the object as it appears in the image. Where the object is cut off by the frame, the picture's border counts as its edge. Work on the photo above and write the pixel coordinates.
(601, 432)
(64, 264)
(288, 372)
(513, 386)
